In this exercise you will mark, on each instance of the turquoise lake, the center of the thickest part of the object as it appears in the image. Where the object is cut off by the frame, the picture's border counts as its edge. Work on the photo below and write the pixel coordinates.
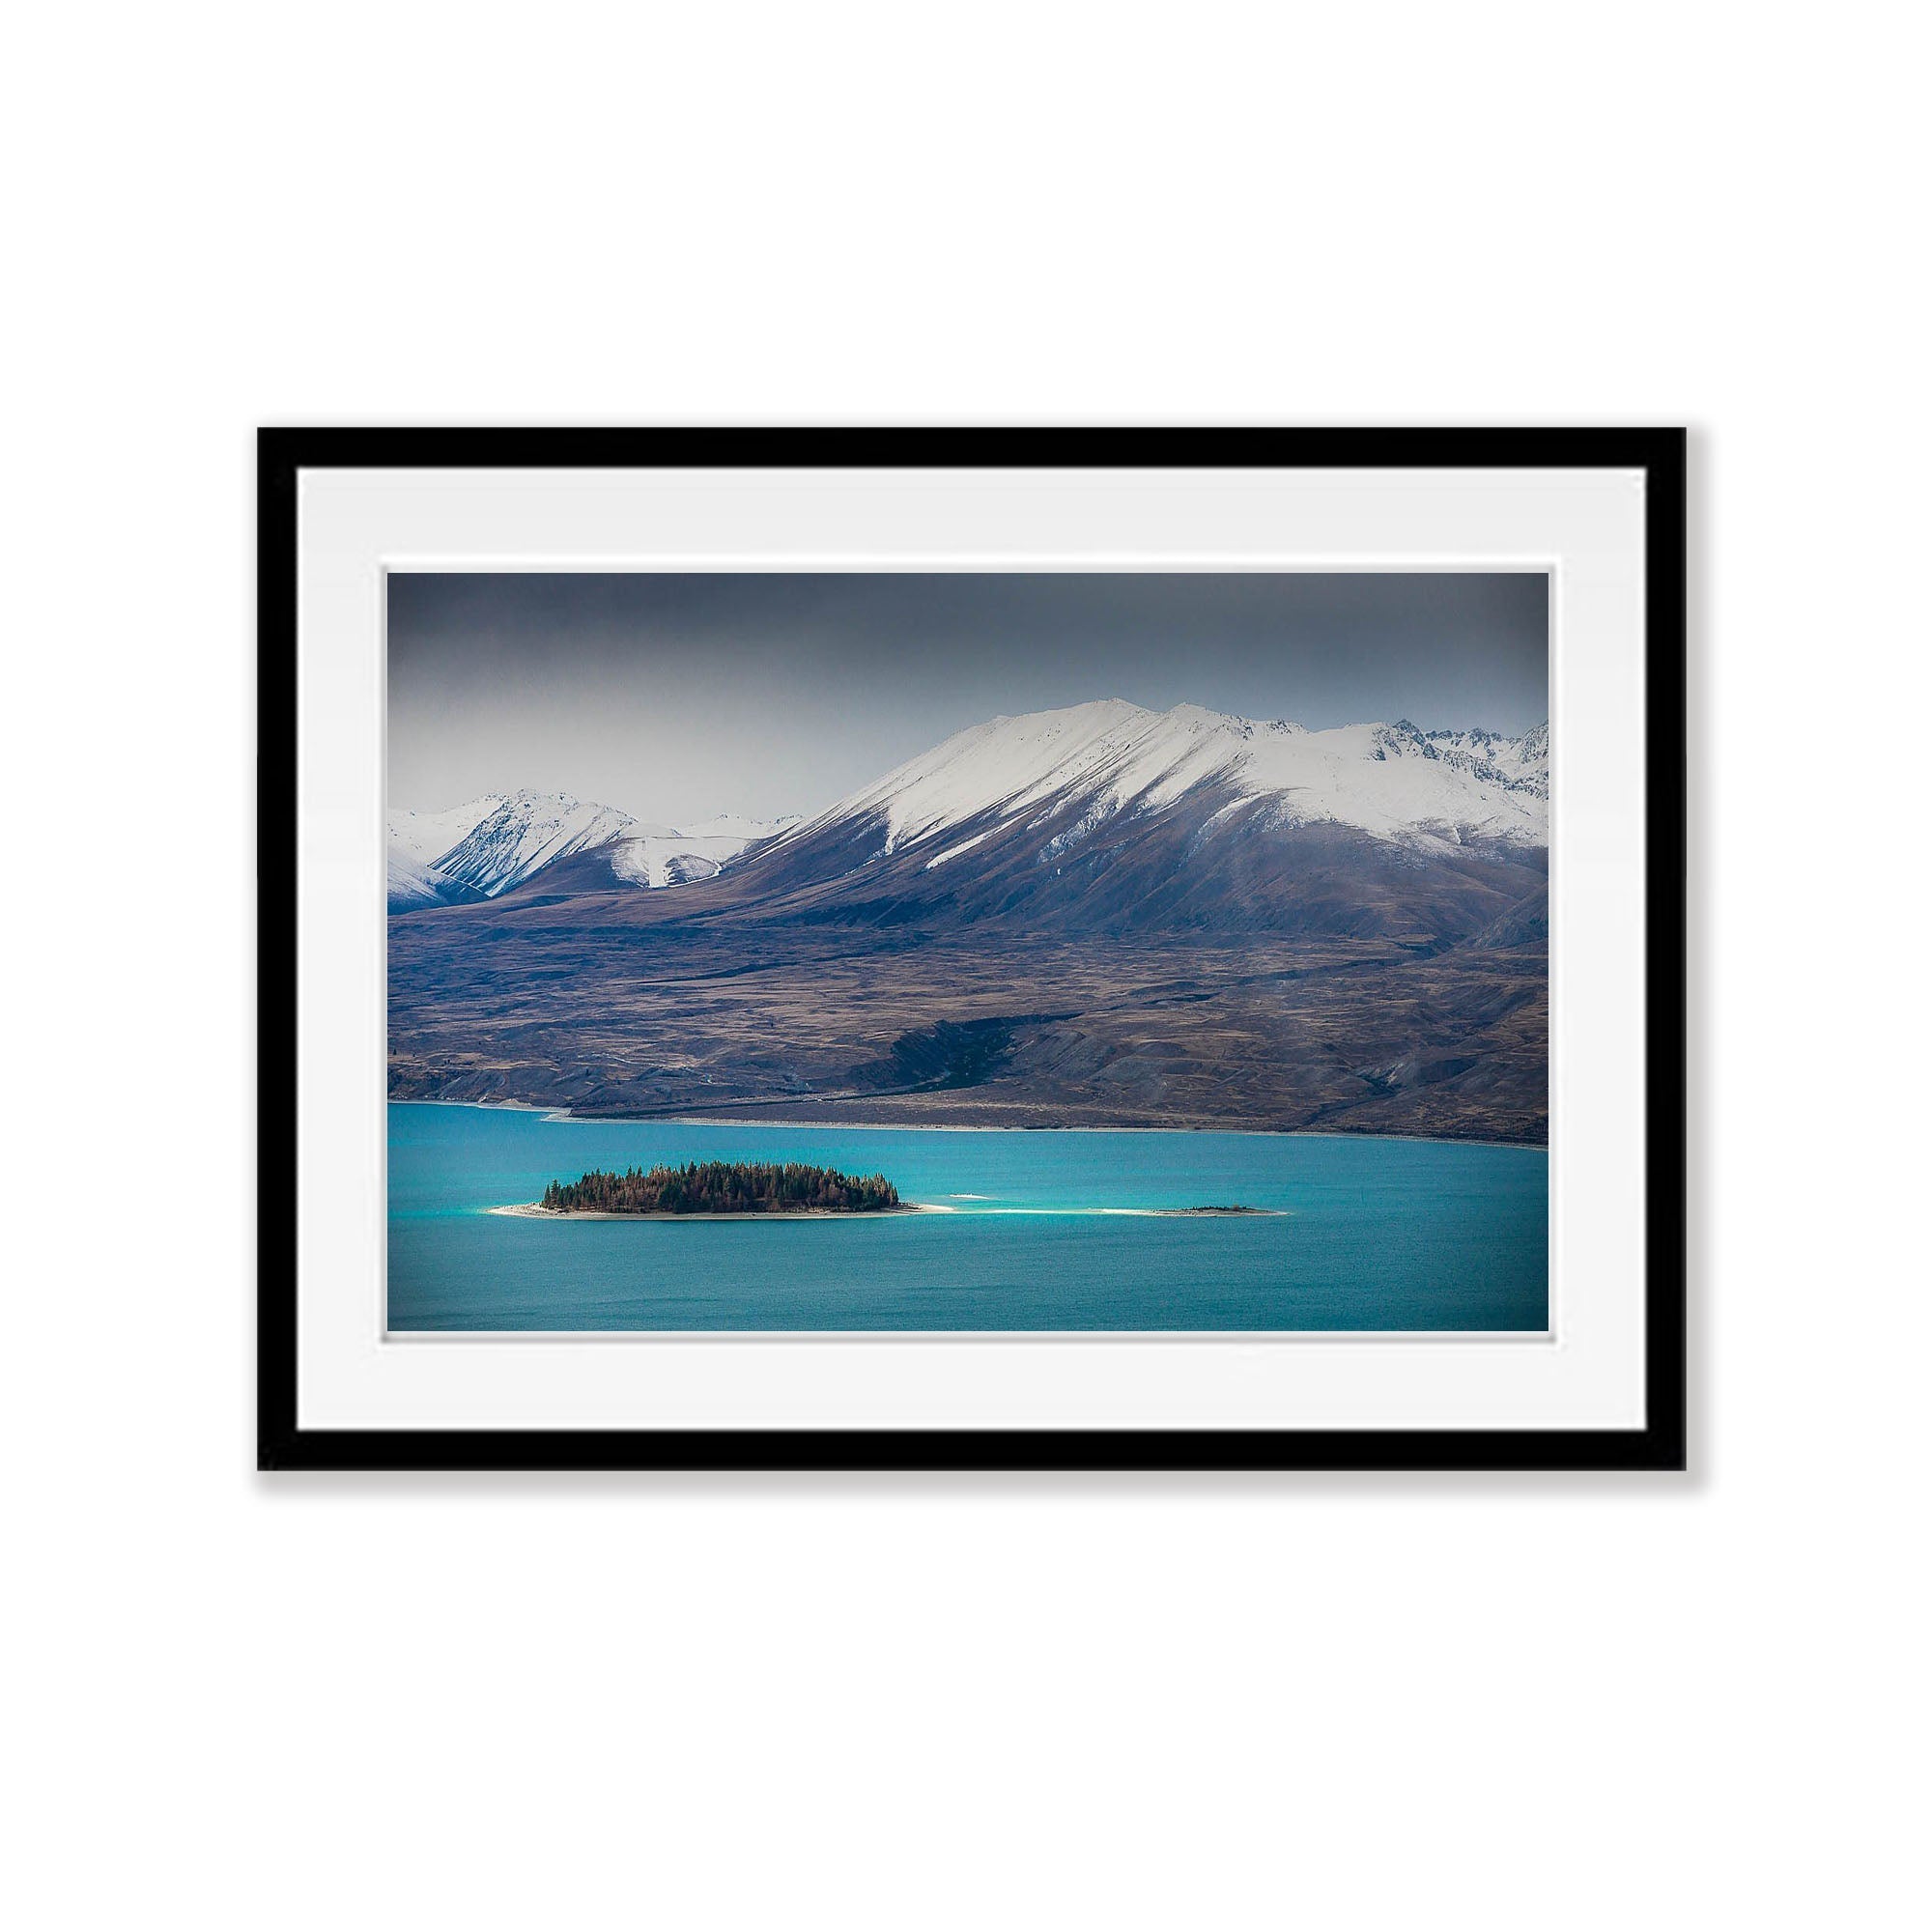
(1371, 1234)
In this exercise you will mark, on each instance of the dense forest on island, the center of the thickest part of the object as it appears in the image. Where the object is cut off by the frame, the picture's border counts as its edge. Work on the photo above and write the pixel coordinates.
(723, 1187)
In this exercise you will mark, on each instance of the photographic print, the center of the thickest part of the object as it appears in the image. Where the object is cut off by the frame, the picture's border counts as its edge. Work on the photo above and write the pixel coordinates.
(968, 953)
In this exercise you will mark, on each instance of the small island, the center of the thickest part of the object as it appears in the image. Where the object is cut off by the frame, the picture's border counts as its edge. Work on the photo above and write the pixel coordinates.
(722, 1187)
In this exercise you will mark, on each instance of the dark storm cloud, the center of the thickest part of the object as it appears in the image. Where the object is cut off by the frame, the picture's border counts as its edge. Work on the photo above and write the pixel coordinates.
(676, 697)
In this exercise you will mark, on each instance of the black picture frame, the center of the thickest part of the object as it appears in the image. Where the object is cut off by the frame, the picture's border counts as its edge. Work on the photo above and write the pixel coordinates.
(1659, 1444)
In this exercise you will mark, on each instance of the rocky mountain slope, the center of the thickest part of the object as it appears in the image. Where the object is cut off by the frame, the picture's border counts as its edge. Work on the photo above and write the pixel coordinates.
(1089, 916)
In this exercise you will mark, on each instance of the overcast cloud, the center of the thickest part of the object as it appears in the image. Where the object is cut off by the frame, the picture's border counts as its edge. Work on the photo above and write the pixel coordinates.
(675, 697)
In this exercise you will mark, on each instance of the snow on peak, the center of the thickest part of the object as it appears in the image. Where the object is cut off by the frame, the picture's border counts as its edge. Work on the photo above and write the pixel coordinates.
(1392, 781)
(486, 846)
(1004, 765)
(526, 832)
(496, 842)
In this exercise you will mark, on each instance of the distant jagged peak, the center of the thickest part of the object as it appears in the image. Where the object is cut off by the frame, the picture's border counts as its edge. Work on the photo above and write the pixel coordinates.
(495, 841)
(1401, 740)
(499, 841)
(556, 806)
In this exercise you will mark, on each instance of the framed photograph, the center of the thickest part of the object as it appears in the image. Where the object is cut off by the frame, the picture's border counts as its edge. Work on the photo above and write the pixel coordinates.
(955, 949)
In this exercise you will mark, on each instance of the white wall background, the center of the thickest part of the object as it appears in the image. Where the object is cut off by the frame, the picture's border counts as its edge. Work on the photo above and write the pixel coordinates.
(1344, 1702)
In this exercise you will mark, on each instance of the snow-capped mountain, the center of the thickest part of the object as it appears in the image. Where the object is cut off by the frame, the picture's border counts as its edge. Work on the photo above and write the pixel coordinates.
(1067, 773)
(489, 846)
(524, 833)
(1128, 813)
(1520, 763)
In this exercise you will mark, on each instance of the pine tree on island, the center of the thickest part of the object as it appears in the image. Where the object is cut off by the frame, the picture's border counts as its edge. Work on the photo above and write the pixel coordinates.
(723, 1187)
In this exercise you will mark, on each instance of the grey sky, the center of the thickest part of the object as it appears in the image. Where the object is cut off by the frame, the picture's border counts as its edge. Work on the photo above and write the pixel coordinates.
(676, 697)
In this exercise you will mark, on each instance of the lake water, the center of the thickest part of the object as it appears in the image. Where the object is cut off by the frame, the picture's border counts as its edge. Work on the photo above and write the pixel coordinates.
(1373, 1234)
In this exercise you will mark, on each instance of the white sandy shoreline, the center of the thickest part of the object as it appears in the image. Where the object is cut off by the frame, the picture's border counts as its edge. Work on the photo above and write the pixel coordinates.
(534, 1210)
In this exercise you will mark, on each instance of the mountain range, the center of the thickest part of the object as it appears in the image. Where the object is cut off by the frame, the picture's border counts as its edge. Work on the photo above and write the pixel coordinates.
(493, 844)
(1098, 915)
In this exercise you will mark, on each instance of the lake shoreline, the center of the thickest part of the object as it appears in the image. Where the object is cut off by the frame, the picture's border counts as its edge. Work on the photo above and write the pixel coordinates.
(536, 1210)
(570, 1116)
